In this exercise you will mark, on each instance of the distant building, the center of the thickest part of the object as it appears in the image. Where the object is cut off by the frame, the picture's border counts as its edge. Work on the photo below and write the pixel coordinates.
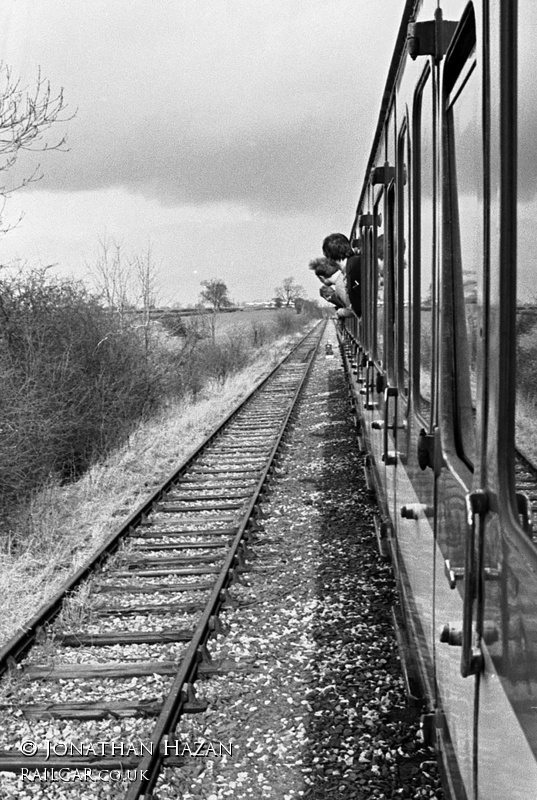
(259, 304)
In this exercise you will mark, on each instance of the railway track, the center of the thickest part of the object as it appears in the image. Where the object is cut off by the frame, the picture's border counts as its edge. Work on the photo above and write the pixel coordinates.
(98, 682)
(526, 486)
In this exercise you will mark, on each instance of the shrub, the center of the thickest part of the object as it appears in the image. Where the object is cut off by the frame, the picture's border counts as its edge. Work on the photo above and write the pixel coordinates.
(77, 377)
(173, 324)
(310, 308)
(526, 319)
(288, 322)
(188, 369)
(526, 329)
(74, 382)
(260, 333)
(527, 365)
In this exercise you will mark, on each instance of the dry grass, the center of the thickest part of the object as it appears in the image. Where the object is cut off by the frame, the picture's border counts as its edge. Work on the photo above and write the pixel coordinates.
(61, 526)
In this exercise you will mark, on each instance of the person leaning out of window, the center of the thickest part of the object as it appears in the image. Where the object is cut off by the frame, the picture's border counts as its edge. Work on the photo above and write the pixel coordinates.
(333, 288)
(337, 248)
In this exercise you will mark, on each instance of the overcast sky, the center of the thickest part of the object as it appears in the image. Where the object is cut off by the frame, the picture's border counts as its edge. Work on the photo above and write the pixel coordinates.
(230, 134)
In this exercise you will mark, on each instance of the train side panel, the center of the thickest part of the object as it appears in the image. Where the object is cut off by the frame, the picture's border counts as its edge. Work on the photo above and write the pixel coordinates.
(438, 275)
(508, 690)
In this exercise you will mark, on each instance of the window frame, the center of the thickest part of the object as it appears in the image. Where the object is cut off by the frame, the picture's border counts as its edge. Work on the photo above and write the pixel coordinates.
(424, 409)
(457, 412)
(378, 216)
(390, 287)
(404, 255)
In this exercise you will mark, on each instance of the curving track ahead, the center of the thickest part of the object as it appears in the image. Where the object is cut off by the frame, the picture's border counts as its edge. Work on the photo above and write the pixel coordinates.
(145, 607)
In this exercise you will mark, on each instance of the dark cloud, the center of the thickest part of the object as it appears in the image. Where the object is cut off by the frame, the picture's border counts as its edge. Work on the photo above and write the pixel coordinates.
(277, 169)
(248, 122)
(202, 101)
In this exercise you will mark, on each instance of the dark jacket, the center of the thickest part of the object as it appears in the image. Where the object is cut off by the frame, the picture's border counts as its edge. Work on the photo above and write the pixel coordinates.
(353, 275)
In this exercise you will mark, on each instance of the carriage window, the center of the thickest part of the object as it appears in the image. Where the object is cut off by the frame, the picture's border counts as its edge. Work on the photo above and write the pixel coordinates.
(390, 287)
(423, 257)
(526, 312)
(465, 165)
(368, 297)
(403, 258)
(378, 279)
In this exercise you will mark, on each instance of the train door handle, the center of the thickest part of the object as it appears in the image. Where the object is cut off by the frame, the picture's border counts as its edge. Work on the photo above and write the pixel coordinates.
(477, 507)
(425, 449)
(471, 657)
(369, 387)
(380, 383)
(389, 458)
(453, 574)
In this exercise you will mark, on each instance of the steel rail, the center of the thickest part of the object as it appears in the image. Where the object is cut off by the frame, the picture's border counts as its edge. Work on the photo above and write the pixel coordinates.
(526, 461)
(22, 641)
(172, 709)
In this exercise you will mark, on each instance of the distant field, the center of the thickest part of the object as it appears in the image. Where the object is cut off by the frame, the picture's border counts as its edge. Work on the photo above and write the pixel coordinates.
(241, 318)
(237, 320)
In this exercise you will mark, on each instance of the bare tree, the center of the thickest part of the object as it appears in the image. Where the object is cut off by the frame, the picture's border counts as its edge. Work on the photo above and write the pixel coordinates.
(111, 274)
(126, 284)
(146, 278)
(216, 295)
(25, 117)
(288, 292)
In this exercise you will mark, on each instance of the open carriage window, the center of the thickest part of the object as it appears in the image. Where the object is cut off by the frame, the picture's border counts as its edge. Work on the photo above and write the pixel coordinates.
(403, 259)
(378, 278)
(423, 251)
(390, 286)
(463, 245)
(526, 276)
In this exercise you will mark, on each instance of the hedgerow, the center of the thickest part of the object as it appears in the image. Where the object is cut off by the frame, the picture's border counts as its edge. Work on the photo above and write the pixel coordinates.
(77, 377)
(73, 381)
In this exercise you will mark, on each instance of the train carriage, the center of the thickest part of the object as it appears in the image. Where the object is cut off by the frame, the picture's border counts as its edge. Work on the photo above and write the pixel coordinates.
(446, 225)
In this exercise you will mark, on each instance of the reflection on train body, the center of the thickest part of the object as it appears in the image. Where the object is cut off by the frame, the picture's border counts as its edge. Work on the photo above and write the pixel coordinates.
(448, 363)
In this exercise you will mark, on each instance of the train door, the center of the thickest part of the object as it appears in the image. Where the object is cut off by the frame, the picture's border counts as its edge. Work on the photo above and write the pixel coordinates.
(412, 402)
(401, 288)
(412, 501)
(387, 388)
(369, 281)
(377, 354)
(420, 200)
(505, 605)
(369, 291)
(455, 457)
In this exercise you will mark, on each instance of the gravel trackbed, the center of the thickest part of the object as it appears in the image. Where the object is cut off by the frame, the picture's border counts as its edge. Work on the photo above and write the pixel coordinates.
(316, 706)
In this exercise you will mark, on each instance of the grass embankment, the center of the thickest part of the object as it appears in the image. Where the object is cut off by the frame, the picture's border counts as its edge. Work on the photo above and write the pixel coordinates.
(61, 526)
(79, 375)
(87, 388)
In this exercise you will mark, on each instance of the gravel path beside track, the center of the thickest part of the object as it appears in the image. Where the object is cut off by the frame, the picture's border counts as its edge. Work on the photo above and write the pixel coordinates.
(316, 707)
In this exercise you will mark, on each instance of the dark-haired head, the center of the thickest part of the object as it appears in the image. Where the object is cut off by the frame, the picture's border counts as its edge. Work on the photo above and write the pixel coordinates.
(327, 292)
(324, 267)
(337, 247)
